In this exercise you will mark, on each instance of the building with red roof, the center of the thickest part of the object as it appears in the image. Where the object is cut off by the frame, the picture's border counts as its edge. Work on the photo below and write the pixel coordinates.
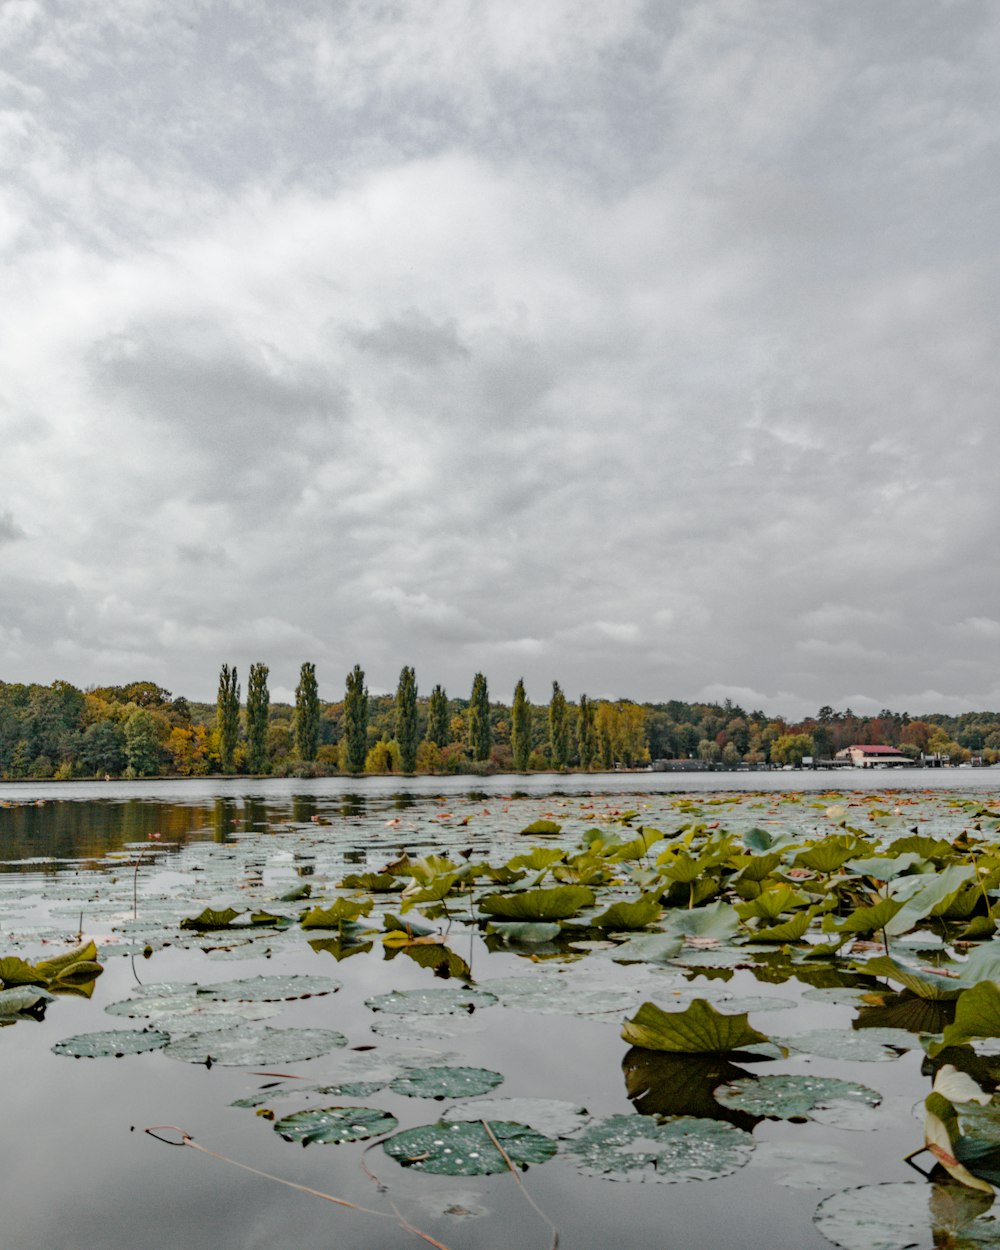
(867, 755)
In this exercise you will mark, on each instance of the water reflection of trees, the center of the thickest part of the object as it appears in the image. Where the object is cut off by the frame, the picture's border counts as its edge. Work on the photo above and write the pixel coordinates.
(70, 829)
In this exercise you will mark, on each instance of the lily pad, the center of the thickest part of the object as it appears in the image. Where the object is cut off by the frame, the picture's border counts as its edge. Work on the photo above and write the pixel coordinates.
(559, 902)
(335, 1124)
(825, 1099)
(253, 1046)
(861, 1045)
(443, 1082)
(699, 1029)
(524, 932)
(111, 1043)
(269, 989)
(638, 1148)
(550, 1116)
(464, 1148)
(430, 1002)
(173, 1010)
(904, 1214)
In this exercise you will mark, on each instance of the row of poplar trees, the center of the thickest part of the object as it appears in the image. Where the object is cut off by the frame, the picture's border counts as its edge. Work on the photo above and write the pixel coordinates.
(306, 722)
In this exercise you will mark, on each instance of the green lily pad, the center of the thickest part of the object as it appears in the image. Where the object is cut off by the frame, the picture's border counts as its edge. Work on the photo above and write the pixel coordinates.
(552, 995)
(111, 1043)
(269, 989)
(173, 1010)
(335, 1124)
(699, 1029)
(464, 1148)
(977, 1014)
(405, 1028)
(211, 919)
(558, 902)
(825, 1099)
(23, 1000)
(861, 1045)
(903, 1214)
(647, 948)
(525, 932)
(638, 1148)
(625, 916)
(443, 1082)
(430, 1002)
(542, 827)
(551, 1117)
(254, 1046)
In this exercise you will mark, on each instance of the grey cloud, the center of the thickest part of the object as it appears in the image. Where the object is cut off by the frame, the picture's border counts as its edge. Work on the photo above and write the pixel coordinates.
(10, 531)
(413, 338)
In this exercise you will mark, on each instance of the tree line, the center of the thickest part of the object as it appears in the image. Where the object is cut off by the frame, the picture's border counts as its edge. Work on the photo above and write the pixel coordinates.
(140, 730)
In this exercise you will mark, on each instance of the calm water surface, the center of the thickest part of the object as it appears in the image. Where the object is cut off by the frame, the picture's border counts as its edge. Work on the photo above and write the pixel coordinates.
(78, 1170)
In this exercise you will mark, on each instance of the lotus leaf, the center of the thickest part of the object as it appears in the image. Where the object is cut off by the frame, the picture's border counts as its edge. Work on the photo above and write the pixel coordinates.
(443, 1082)
(638, 1148)
(861, 1045)
(430, 1002)
(341, 912)
(822, 1098)
(211, 919)
(542, 827)
(16, 971)
(255, 1045)
(335, 1124)
(871, 919)
(555, 903)
(524, 932)
(269, 989)
(977, 1014)
(903, 1214)
(552, 995)
(537, 859)
(884, 867)
(925, 896)
(548, 1116)
(699, 1029)
(464, 1147)
(625, 916)
(23, 1000)
(647, 948)
(717, 920)
(111, 1042)
(924, 983)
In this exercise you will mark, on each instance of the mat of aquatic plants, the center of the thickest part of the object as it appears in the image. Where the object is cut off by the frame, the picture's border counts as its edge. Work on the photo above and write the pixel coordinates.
(756, 1019)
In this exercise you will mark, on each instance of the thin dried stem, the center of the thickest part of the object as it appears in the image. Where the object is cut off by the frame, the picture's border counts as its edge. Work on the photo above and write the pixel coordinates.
(513, 1171)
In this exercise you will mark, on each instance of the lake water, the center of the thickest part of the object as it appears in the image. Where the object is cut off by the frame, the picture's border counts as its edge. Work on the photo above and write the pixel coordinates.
(126, 862)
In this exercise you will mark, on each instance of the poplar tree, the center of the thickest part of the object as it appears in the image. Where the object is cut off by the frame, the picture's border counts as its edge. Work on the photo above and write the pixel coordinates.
(438, 729)
(227, 710)
(588, 736)
(258, 705)
(480, 729)
(406, 719)
(558, 728)
(520, 728)
(307, 713)
(356, 721)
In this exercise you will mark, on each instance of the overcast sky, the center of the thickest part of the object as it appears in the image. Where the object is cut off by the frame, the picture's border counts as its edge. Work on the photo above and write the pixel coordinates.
(650, 347)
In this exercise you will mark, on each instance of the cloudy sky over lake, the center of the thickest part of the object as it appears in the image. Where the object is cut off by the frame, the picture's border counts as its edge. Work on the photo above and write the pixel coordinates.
(652, 347)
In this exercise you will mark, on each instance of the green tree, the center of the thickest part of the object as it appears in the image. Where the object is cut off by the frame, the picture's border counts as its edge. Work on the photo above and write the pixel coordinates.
(480, 729)
(520, 729)
(258, 706)
(790, 748)
(142, 743)
(227, 710)
(307, 713)
(558, 728)
(406, 720)
(438, 727)
(355, 721)
(588, 736)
